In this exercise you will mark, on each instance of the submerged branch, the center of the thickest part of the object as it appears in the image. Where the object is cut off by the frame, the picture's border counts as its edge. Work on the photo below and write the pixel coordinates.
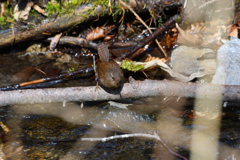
(134, 89)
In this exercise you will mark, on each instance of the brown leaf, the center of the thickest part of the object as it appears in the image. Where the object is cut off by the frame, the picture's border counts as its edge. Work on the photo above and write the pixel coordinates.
(156, 58)
(23, 76)
(234, 31)
(95, 34)
(166, 41)
(39, 10)
(200, 36)
(54, 41)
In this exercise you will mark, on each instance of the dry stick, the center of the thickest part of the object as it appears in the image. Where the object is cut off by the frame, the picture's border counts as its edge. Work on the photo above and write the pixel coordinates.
(134, 89)
(13, 34)
(169, 149)
(130, 8)
(2, 9)
(109, 5)
(151, 37)
(48, 79)
(76, 41)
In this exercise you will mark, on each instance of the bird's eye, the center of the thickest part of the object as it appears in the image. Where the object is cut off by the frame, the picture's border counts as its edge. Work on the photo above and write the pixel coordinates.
(113, 78)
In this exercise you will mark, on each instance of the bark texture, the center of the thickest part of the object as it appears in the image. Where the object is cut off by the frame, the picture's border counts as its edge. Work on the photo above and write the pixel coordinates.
(134, 89)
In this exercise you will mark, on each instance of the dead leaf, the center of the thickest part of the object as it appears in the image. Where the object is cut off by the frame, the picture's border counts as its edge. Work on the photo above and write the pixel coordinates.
(201, 36)
(55, 41)
(24, 13)
(23, 76)
(189, 38)
(166, 41)
(39, 10)
(156, 58)
(234, 31)
(95, 34)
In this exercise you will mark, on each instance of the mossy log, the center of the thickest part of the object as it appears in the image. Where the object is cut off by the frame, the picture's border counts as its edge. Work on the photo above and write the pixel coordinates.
(82, 14)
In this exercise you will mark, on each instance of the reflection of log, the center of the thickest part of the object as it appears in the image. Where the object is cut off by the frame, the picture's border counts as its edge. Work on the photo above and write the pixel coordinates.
(134, 89)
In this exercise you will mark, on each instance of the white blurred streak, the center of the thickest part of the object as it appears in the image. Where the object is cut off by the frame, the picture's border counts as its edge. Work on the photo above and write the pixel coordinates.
(206, 145)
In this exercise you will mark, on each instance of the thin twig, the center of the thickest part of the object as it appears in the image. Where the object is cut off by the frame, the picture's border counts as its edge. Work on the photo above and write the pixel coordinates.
(109, 5)
(166, 146)
(2, 8)
(130, 8)
(155, 136)
(151, 37)
(185, 3)
(104, 139)
(13, 34)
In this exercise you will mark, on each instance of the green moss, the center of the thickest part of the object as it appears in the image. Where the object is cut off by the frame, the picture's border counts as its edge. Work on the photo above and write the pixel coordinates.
(160, 22)
(132, 66)
(2, 21)
(67, 8)
(83, 15)
(117, 11)
(33, 12)
(71, 70)
(53, 9)
(5, 20)
(7, 17)
(178, 18)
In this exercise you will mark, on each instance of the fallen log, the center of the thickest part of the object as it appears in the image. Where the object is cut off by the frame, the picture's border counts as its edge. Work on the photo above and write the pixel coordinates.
(57, 26)
(134, 89)
(82, 14)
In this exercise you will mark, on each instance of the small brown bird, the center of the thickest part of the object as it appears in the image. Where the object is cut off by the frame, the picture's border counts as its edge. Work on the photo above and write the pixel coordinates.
(110, 75)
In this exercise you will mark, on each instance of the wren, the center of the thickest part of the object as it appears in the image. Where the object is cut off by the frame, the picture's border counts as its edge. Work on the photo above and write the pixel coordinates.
(110, 75)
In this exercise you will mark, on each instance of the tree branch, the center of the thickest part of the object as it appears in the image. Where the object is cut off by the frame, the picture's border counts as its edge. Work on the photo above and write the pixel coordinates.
(134, 89)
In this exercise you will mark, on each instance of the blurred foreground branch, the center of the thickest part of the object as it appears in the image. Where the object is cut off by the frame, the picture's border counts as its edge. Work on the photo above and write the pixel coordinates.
(134, 89)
